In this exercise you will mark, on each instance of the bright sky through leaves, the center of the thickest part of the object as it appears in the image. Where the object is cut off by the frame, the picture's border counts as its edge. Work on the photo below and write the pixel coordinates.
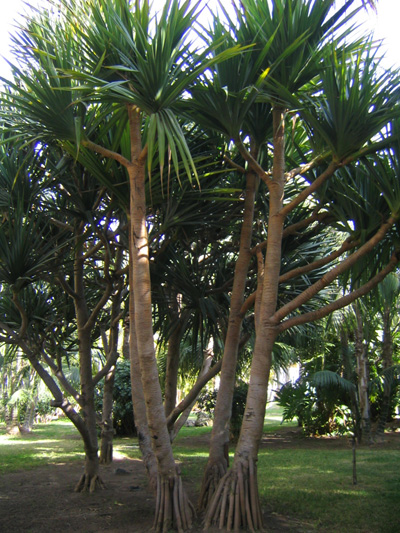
(385, 25)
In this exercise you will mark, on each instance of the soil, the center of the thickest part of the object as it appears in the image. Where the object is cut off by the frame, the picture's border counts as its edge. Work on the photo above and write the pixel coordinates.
(43, 500)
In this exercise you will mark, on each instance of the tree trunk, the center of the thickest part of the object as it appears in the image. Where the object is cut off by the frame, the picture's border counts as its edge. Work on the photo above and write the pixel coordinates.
(236, 502)
(176, 427)
(363, 378)
(138, 402)
(12, 420)
(30, 415)
(107, 429)
(111, 348)
(173, 355)
(387, 362)
(90, 479)
(173, 508)
(218, 456)
(347, 374)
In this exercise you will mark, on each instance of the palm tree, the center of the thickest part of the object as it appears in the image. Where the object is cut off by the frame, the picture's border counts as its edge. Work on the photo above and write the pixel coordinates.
(120, 63)
(229, 103)
(341, 123)
(60, 236)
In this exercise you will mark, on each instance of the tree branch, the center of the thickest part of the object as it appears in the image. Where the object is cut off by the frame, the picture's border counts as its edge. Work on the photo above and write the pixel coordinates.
(193, 393)
(59, 374)
(23, 315)
(254, 165)
(302, 169)
(327, 278)
(347, 245)
(234, 165)
(293, 228)
(340, 302)
(66, 286)
(286, 209)
(110, 154)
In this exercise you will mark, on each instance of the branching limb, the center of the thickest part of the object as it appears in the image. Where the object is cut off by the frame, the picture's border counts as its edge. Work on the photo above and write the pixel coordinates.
(59, 374)
(327, 278)
(109, 154)
(192, 395)
(288, 208)
(343, 301)
(254, 165)
(294, 228)
(234, 165)
(346, 246)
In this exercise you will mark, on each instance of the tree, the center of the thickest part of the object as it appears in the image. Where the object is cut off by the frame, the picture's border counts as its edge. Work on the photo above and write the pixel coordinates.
(100, 64)
(57, 245)
(122, 64)
(341, 106)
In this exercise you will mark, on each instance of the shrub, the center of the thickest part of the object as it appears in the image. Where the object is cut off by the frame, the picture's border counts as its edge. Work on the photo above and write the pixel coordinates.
(319, 410)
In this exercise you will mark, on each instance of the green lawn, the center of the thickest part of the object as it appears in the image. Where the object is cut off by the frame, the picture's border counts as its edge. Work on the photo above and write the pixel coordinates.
(310, 484)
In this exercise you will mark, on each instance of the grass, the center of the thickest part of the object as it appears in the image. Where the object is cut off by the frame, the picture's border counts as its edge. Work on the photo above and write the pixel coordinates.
(315, 485)
(307, 483)
(57, 442)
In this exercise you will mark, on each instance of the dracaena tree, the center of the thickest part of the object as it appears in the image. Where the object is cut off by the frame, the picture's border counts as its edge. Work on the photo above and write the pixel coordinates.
(285, 45)
(337, 93)
(57, 245)
(112, 58)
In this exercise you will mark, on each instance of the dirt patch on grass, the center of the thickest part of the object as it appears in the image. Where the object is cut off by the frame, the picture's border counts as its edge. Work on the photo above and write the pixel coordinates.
(43, 499)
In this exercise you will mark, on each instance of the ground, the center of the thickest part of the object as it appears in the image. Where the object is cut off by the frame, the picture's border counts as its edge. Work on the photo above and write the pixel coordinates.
(43, 500)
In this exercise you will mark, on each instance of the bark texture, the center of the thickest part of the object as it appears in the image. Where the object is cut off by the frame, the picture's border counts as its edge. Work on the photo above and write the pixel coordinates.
(169, 484)
(244, 510)
(363, 379)
(218, 457)
(173, 355)
(387, 362)
(107, 429)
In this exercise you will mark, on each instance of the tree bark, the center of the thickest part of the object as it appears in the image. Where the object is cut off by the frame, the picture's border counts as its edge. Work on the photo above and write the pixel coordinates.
(31, 406)
(90, 478)
(363, 378)
(173, 355)
(176, 427)
(235, 503)
(138, 401)
(107, 429)
(387, 362)
(347, 374)
(172, 505)
(111, 349)
(218, 457)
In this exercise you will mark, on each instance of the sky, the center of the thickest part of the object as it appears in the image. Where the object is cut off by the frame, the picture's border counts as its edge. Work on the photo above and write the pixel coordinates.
(385, 25)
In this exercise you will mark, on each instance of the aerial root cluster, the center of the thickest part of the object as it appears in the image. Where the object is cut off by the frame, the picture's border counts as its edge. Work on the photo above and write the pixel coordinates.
(212, 477)
(173, 508)
(236, 503)
(89, 483)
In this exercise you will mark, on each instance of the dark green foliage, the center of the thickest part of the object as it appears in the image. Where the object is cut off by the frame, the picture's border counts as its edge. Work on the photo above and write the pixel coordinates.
(207, 401)
(319, 409)
(123, 420)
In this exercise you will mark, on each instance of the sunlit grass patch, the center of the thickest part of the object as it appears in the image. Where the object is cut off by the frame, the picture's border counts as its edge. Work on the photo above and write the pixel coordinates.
(50, 443)
(316, 485)
(308, 481)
